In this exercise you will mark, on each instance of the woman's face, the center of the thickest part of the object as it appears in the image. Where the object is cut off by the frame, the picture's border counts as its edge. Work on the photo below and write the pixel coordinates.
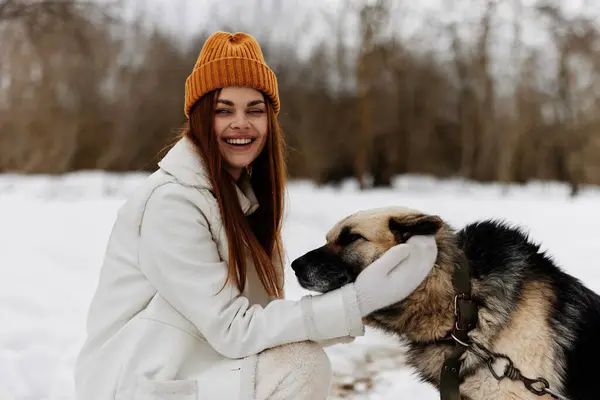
(241, 126)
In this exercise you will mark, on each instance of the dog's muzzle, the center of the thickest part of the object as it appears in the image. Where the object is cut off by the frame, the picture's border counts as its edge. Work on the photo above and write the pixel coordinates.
(321, 271)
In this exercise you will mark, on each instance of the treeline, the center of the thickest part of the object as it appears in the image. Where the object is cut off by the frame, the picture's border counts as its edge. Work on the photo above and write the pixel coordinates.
(82, 89)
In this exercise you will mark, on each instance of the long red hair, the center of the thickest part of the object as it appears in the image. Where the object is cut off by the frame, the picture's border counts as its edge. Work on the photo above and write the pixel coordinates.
(260, 233)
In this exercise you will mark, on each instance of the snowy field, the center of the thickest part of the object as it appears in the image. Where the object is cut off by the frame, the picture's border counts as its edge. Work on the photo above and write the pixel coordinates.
(53, 232)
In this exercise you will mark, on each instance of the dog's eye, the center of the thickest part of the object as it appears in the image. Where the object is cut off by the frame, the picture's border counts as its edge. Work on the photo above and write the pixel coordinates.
(349, 238)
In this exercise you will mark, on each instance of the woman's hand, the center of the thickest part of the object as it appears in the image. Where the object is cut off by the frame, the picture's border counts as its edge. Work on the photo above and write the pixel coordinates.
(396, 274)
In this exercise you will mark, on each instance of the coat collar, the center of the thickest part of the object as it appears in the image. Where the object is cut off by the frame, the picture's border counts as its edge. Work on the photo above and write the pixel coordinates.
(183, 163)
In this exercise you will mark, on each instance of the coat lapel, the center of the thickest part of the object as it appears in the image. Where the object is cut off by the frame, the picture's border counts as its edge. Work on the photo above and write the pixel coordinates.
(185, 165)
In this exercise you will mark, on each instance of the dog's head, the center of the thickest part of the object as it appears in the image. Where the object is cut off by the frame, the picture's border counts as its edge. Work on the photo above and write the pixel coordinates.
(358, 240)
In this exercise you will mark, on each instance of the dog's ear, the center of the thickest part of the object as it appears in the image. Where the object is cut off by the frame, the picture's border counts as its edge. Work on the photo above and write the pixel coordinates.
(405, 227)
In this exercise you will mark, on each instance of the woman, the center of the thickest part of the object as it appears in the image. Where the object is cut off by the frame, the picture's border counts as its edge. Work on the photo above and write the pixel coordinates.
(190, 303)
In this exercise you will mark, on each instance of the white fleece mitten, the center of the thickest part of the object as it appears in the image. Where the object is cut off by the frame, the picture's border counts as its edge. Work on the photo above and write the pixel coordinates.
(396, 274)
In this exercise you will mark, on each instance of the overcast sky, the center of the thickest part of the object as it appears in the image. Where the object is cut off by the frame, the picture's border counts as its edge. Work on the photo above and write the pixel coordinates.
(187, 17)
(422, 20)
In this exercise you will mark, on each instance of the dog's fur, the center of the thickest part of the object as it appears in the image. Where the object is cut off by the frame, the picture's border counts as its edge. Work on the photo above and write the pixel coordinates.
(545, 320)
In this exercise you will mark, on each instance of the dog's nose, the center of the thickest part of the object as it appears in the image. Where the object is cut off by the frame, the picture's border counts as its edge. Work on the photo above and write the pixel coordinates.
(296, 264)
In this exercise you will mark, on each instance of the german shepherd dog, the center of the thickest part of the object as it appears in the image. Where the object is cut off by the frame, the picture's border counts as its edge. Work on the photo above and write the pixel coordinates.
(529, 314)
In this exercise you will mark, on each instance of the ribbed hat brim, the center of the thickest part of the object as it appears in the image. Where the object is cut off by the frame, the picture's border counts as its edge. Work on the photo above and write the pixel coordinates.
(231, 71)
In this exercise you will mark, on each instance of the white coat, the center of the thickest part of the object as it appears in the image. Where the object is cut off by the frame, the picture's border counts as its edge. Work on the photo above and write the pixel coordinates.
(156, 324)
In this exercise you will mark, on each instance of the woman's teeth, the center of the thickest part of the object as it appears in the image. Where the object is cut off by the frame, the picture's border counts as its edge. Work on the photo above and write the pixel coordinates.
(239, 141)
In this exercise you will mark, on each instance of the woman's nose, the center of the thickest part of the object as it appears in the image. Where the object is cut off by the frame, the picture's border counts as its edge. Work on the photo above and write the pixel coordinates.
(240, 121)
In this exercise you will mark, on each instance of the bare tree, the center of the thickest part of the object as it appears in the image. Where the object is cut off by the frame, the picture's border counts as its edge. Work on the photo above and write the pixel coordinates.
(577, 36)
(81, 89)
(508, 143)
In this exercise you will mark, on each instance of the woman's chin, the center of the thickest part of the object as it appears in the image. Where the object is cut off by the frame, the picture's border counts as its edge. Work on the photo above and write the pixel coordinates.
(239, 162)
(239, 159)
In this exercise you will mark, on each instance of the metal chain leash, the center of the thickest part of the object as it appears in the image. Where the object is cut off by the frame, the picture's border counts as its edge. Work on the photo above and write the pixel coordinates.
(539, 386)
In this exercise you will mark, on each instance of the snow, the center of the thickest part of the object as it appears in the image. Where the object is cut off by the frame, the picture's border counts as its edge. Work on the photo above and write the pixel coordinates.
(53, 231)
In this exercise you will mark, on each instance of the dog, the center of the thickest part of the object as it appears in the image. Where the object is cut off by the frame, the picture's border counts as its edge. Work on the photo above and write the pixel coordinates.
(528, 312)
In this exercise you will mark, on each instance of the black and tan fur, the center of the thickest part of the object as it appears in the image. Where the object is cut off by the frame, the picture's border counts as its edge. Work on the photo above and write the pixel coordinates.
(545, 320)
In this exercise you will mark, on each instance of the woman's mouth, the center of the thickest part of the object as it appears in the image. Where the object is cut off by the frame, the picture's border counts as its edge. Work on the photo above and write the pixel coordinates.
(239, 142)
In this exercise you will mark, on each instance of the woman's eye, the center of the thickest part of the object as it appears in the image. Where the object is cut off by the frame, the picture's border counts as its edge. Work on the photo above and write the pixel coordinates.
(257, 111)
(221, 111)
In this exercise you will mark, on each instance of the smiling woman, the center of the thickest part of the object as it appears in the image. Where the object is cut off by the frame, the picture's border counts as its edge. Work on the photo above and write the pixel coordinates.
(190, 302)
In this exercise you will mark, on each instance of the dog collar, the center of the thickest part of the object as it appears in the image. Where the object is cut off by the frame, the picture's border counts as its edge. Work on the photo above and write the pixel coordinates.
(465, 315)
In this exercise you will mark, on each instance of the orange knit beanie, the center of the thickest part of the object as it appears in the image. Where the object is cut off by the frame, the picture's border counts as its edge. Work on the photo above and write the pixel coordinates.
(230, 60)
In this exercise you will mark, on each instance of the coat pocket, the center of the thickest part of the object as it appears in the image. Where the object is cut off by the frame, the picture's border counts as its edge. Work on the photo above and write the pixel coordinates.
(147, 389)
